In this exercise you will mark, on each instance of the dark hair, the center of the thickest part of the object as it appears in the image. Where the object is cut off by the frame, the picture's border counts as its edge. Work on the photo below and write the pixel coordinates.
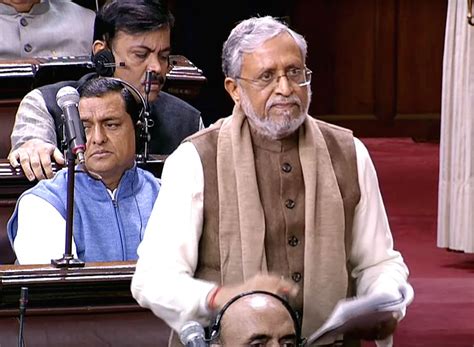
(215, 327)
(131, 17)
(97, 87)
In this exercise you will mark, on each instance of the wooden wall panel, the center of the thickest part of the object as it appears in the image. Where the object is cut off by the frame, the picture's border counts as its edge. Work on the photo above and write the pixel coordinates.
(377, 63)
(420, 56)
(385, 60)
(340, 37)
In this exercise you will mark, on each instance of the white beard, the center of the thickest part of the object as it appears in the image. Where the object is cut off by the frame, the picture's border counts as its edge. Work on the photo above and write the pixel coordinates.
(266, 125)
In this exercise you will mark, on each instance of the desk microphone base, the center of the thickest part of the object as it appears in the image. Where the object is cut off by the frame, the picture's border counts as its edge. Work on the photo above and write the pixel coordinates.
(67, 261)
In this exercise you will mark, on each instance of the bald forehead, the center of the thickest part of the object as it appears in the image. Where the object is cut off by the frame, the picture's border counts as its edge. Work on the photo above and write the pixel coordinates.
(257, 318)
(254, 304)
(256, 301)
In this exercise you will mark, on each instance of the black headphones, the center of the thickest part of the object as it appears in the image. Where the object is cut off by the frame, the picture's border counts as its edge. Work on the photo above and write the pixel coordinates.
(104, 63)
(144, 122)
(215, 328)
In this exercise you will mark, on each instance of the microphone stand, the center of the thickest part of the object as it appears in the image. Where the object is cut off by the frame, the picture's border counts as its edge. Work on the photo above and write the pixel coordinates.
(68, 259)
(23, 303)
(144, 133)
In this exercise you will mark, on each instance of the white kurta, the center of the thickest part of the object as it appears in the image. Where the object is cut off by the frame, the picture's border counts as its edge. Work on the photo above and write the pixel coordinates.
(40, 239)
(168, 254)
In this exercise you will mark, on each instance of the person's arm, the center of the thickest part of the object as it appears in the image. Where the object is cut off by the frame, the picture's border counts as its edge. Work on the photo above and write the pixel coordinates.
(377, 266)
(41, 233)
(33, 138)
(167, 256)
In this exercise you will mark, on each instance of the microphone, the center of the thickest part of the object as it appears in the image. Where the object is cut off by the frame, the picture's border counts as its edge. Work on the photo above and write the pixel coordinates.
(192, 335)
(23, 303)
(105, 68)
(149, 76)
(67, 99)
(152, 77)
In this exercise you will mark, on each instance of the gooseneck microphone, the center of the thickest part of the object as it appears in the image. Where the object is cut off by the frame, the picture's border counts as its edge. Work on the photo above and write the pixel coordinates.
(149, 76)
(67, 99)
(192, 335)
(23, 304)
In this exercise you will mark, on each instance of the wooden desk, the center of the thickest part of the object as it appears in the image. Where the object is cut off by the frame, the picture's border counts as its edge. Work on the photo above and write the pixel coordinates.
(90, 306)
(185, 79)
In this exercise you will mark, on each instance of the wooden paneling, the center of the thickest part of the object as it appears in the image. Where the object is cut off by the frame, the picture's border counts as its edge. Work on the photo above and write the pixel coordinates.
(340, 53)
(420, 56)
(377, 64)
(385, 59)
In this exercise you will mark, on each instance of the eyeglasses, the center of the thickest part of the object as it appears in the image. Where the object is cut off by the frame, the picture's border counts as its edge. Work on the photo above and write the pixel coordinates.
(300, 77)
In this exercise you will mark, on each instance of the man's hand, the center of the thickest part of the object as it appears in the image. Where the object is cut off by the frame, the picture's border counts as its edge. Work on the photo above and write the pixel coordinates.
(34, 156)
(270, 283)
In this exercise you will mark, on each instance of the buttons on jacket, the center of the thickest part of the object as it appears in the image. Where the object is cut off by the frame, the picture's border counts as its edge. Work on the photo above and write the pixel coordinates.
(28, 48)
(289, 204)
(23, 22)
(293, 241)
(296, 276)
(286, 167)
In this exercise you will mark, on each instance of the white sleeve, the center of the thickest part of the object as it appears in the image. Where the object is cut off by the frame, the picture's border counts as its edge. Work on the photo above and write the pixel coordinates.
(41, 234)
(33, 121)
(167, 256)
(378, 267)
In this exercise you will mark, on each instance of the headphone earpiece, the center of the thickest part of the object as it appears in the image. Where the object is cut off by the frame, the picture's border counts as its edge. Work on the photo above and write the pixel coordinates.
(104, 63)
(143, 123)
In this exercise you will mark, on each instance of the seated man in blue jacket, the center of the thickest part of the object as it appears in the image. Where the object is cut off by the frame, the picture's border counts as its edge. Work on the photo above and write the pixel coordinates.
(113, 198)
(131, 42)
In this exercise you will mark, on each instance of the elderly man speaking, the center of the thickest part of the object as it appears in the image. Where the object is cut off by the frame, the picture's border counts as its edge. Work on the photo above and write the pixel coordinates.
(269, 199)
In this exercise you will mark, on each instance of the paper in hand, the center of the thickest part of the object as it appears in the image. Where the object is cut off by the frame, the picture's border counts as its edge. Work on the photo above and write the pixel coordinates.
(361, 312)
